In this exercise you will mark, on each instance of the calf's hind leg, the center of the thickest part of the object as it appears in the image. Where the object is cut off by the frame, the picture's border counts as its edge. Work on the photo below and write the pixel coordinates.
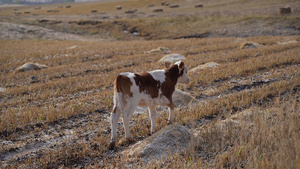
(114, 118)
(126, 118)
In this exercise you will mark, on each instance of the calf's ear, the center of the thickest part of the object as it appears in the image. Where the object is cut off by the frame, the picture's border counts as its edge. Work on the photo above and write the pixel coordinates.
(181, 65)
(168, 64)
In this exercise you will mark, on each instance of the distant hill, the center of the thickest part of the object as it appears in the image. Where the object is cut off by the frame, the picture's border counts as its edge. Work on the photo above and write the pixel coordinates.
(46, 1)
(34, 1)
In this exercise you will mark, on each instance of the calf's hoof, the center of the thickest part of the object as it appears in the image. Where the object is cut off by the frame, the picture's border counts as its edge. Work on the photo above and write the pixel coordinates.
(125, 141)
(111, 145)
(128, 140)
(169, 122)
(151, 133)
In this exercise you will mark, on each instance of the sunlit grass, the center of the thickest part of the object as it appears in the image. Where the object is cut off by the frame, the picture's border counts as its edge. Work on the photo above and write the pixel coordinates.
(80, 81)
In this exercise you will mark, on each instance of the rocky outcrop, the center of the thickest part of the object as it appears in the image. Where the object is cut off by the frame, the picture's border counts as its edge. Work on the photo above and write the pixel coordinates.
(30, 66)
(171, 139)
(206, 65)
(250, 45)
(171, 58)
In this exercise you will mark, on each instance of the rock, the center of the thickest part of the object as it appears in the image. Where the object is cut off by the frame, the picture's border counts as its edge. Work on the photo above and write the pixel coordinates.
(174, 6)
(165, 3)
(27, 12)
(171, 58)
(52, 10)
(159, 49)
(72, 47)
(249, 45)
(94, 11)
(2, 89)
(198, 6)
(68, 6)
(158, 10)
(151, 5)
(43, 21)
(130, 11)
(206, 65)
(285, 11)
(30, 66)
(140, 110)
(119, 7)
(197, 35)
(181, 98)
(89, 22)
(170, 139)
(287, 42)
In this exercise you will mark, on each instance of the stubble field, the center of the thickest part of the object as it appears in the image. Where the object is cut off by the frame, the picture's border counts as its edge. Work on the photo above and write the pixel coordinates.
(245, 114)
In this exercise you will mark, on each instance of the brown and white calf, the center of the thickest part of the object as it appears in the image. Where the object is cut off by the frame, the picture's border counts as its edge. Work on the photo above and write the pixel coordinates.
(148, 89)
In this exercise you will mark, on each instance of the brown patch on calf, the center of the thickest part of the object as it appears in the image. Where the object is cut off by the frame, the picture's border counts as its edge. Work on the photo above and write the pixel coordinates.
(147, 84)
(168, 86)
(123, 85)
(181, 65)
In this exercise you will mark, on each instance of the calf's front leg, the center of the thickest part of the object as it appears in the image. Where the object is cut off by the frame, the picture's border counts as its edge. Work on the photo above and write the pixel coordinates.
(171, 114)
(153, 115)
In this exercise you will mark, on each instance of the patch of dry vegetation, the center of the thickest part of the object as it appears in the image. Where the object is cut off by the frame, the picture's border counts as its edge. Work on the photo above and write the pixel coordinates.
(61, 117)
(265, 137)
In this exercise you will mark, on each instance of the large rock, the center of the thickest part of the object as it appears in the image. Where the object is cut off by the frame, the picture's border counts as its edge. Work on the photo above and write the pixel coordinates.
(159, 49)
(174, 6)
(30, 66)
(286, 10)
(2, 89)
(171, 139)
(181, 98)
(249, 45)
(158, 10)
(119, 7)
(198, 6)
(206, 65)
(287, 42)
(171, 58)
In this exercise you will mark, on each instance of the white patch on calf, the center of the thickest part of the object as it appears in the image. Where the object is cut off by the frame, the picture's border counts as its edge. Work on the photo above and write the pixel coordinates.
(158, 75)
(128, 74)
(178, 63)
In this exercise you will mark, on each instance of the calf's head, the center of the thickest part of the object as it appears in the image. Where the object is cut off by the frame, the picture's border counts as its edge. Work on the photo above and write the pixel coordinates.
(183, 72)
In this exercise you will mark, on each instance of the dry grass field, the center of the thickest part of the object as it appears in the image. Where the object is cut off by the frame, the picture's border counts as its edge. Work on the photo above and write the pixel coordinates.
(246, 113)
